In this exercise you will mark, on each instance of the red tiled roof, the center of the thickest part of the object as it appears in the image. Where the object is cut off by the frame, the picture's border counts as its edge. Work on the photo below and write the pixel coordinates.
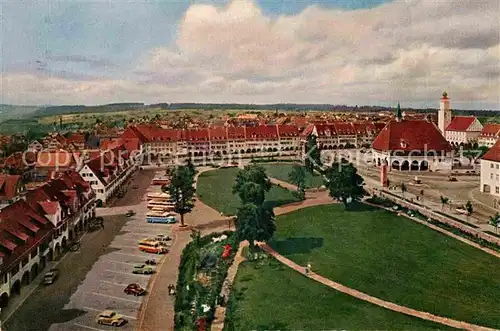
(493, 154)
(131, 144)
(360, 128)
(132, 132)
(21, 221)
(460, 123)
(236, 132)
(326, 130)
(196, 135)
(262, 132)
(8, 186)
(379, 125)
(55, 159)
(344, 128)
(49, 207)
(76, 138)
(411, 135)
(7, 244)
(29, 225)
(491, 130)
(308, 130)
(20, 160)
(288, 131)
(218, 133)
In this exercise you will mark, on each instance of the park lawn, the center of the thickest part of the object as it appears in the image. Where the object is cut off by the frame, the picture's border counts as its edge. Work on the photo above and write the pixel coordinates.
(275, 297)
(215, 188)
(395, 259)
(281, 170)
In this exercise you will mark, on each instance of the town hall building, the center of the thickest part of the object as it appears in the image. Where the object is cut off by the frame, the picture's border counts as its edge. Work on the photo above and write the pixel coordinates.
(412, 145)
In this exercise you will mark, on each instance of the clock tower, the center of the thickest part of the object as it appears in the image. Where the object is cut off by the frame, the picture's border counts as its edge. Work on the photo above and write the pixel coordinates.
(444, 115)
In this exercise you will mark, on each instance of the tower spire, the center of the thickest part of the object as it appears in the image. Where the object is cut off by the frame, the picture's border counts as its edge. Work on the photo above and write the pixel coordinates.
(399, 115)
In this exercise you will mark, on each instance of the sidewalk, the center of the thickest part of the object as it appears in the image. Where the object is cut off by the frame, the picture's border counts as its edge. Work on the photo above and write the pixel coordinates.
(15, 301)
(431, 205)
(486, 200)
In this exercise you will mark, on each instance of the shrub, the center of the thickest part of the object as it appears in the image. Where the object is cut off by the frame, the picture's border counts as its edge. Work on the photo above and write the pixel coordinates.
(205, 256)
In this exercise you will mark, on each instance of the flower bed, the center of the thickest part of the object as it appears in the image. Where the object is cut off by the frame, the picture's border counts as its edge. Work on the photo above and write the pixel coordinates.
(203, 268)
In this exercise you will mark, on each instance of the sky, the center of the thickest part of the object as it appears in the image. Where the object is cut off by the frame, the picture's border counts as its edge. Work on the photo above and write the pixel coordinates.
(353, 52)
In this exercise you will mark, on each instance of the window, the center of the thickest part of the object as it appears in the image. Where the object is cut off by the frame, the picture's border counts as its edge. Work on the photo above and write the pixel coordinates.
(25, 261)
(497, 166)
(496, 177)
(5, 278)
(33, 253)
(491, 165)
(491, 176)
(497, 189)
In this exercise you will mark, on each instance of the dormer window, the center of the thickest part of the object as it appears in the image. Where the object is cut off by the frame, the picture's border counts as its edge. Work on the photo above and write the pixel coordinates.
(403, 144)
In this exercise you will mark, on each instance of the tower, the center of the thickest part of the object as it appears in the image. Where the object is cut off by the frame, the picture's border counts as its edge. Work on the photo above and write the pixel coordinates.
(399, 115)
(444, 115)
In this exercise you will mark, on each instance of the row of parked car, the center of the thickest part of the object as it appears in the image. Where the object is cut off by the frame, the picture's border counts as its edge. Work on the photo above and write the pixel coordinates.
(111, 318)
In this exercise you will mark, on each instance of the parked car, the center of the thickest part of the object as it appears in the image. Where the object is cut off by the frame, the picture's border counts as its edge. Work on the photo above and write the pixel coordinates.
(142, 269)
(109, 317)
(130, 213)
(51, 276)
(134, 289)
(162, 237)
(150, 262)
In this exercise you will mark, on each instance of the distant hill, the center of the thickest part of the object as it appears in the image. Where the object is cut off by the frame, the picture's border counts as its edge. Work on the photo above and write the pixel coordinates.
(78, 109)
(14, 112)
(8, 112)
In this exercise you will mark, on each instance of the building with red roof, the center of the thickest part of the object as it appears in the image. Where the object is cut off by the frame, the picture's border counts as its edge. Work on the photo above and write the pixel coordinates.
(463, 130)
(414, 145)
(107, 170)
(11, 188)
(35, 229)
(489, 135)
(49, 163)
(490, 171)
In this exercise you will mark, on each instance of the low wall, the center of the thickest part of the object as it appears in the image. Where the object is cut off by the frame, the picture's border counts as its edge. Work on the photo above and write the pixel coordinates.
(436, 216)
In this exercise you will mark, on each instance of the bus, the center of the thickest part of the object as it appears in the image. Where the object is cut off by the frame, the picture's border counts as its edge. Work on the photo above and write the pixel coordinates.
(152, 246)
(167, 206)
(161, 217)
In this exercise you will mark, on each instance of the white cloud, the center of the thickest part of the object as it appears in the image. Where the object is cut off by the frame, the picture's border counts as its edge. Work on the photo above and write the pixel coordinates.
(402, 51)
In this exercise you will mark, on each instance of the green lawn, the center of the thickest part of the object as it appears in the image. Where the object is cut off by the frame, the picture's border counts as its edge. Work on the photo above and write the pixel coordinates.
(274, 297)
(281, 170)
(394, 258)
(215, 188)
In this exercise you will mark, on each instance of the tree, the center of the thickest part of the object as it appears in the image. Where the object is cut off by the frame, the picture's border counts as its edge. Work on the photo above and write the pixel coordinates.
(182, 191)
(469, 208)
(344, 183)
(298, 177)
(312, 154)
(190, 166)
(252, 193)
(403, 189)
(495, 221)
(444, 201)
(255, 223)
(252, 173)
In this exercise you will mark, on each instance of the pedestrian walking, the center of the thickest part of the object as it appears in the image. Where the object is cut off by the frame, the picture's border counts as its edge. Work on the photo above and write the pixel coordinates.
(307, 269)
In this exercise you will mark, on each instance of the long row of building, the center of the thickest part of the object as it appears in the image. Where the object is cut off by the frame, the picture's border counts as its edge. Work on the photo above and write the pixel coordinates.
(38, 224)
